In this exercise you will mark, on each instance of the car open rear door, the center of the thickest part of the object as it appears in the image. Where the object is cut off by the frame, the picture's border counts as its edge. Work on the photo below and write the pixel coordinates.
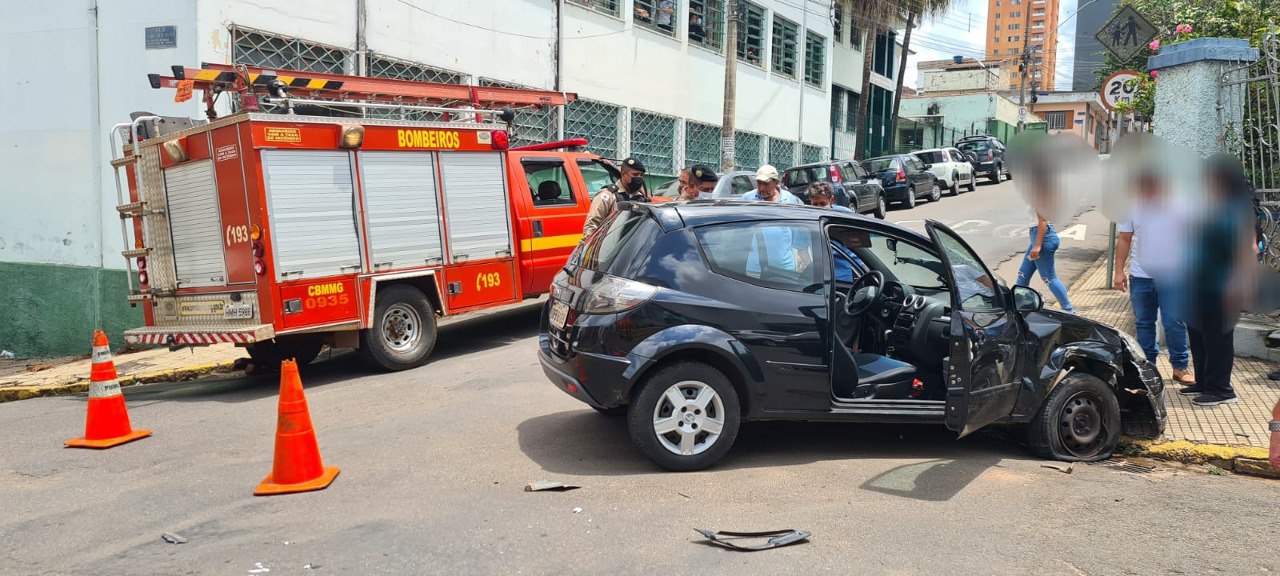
(981, 380)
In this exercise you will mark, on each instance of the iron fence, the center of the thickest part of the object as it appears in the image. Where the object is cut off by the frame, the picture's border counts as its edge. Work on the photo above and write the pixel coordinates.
(1249, 112)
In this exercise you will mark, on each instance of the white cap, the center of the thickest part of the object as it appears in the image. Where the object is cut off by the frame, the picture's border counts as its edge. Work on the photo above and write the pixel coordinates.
(766, 173)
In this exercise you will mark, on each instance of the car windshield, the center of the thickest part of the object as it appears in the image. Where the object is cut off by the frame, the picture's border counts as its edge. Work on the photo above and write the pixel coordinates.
(908, 263)
(932, 157)
(878, 164)
(974, 146)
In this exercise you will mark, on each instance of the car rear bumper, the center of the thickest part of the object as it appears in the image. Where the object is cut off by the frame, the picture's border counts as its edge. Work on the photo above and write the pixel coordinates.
(984, 168)
(896, 192)
(595, 379)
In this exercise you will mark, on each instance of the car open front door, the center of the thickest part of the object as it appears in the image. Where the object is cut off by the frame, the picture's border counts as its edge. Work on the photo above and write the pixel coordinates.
(981, 380)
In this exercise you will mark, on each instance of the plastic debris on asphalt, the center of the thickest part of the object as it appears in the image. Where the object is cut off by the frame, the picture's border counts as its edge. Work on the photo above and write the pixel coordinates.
(577, 510)
(549, 486)
(776, 539)
(173, 538)
(1069, 468)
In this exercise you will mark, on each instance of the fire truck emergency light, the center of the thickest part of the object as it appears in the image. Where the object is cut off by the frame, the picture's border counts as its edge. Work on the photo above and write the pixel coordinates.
(352, 137)
(499, 140)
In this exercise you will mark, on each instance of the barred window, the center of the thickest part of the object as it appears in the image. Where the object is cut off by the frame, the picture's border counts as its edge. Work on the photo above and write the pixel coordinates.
(810, 153)
(1056, 120)
(785, 34)
(657, 15)
(595, 121)
(386, 67)
(609, 7)
(855, 35)
(837, 24)
(782, 153)
(266, 50)
(706, 23)
(751, 34)
(653, 142)
(852, 110)
(746, 150)
(702, 144)
(815, 58)
(531, 126)
(837, 107)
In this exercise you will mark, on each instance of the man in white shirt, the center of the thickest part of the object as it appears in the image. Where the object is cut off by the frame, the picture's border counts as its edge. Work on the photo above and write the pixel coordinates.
(1152, 240)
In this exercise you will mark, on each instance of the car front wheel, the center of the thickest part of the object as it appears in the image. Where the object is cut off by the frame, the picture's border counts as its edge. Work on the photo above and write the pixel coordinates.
(1079, 422)
(973, 182)
(935, 193)
(955, 184)
(685, 417)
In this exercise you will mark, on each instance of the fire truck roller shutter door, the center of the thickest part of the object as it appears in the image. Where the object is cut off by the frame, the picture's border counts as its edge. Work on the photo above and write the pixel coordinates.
(476, 205)
(402, 220)
(192, 198)
(311, 199)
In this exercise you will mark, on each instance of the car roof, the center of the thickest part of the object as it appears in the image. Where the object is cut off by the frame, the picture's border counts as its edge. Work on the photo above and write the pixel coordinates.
(690, 214)
(817, 164)
(894, 156)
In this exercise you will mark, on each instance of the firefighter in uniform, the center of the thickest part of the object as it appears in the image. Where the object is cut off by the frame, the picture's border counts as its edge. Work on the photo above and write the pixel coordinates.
(628, 188)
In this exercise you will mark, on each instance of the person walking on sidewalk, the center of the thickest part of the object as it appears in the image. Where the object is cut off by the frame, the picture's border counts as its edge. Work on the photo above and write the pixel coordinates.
(1044, 242)
(1221, 278)
(1151, 240)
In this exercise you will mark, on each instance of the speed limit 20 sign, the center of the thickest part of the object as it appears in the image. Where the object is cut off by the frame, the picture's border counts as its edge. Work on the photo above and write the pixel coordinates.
(1120, 86)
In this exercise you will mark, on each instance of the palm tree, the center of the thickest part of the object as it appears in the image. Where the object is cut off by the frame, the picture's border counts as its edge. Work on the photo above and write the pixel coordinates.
(915, 9)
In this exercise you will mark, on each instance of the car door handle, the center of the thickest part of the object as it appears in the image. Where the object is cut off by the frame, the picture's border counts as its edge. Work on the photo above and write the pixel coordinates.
(537, 228)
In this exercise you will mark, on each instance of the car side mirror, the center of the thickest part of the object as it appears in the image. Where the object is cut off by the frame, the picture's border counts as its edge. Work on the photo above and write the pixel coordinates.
(927, 166)
(1027, 299)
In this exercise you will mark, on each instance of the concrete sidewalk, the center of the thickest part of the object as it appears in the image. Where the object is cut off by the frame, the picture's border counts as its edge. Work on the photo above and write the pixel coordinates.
(1236, 425)
(21, 379)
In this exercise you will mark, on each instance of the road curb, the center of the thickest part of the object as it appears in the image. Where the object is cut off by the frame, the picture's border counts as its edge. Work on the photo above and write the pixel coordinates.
(1249, 460)
(15, 393)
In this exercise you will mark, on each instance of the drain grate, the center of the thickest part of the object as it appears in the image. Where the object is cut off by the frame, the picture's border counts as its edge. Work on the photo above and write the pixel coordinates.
(1133, 465)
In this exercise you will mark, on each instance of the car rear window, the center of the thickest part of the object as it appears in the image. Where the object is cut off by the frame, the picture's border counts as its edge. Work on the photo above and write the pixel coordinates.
(798, 177)
(616, 247)
(933, 157)
(975, 146)
(878, 164)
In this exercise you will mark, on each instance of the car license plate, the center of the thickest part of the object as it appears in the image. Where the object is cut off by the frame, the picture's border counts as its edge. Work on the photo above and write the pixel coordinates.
(559, 314)
(233, 311)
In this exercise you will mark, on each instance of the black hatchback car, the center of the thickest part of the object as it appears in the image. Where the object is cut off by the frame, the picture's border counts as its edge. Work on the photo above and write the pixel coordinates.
(694, 317)
(905, 179)
(986, 154)
(853, 187)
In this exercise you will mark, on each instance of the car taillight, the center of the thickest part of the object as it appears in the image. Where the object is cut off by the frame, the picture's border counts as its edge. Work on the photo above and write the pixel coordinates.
(835, 174)
(613, 294)
(142, 263)
(901, 176)
(142, 276)
(499, 140)
(259, 267)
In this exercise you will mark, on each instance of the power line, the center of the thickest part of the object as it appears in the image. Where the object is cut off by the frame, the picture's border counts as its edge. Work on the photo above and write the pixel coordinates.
(507, 33)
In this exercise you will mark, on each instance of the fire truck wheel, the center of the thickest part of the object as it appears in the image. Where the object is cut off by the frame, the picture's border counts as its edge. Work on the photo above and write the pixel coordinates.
(403, 331)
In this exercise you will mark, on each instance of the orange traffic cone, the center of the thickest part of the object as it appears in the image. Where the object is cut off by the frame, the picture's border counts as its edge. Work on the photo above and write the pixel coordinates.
(107, 424)
(297, 465)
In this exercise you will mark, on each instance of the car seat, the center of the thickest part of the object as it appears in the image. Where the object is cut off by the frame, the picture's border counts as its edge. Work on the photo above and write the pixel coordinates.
(875, 376)
(549, 192)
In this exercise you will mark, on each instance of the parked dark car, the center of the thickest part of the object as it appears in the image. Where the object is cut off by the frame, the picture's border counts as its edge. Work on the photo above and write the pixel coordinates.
(694, 317)
(986, 154)
(853, 187)
(904, 178)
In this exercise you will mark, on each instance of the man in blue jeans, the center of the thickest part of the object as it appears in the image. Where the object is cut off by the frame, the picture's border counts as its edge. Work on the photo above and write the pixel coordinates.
(1152, 241)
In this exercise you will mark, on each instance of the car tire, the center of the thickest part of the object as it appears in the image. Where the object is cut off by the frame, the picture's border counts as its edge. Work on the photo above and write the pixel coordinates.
(684, 446)
(936, 193)
(881, 208)
(1078, 422)
(268, 355)
(973, 182)
(955, 184)
(996, 174)
(910, 202)
(403, 332)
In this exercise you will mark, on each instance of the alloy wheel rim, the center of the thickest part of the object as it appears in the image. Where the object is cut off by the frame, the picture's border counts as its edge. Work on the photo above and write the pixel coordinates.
(1082, 425)
(402, 327)
(689, 418)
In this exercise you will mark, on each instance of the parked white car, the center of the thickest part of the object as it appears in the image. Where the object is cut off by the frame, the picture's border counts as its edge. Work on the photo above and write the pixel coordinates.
(950, 166)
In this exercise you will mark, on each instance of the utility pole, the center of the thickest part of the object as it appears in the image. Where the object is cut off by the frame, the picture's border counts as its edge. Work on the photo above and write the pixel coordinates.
(730, 86)
(1025, 66)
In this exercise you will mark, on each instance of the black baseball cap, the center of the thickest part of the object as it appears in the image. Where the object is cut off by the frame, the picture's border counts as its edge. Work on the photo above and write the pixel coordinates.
(702, 173)
(633, 164)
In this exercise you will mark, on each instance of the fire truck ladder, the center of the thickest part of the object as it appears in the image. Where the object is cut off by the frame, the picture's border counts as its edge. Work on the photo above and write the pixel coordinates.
(139, 210)
(254, 86)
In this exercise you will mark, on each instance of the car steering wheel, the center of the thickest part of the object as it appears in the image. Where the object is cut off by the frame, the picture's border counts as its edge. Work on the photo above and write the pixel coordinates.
(866, 293)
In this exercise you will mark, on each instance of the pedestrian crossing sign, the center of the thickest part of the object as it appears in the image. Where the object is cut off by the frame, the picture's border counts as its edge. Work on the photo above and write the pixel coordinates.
(1126, 34)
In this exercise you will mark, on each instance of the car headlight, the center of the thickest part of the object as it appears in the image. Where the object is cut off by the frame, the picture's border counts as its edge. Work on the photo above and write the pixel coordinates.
(613, 294)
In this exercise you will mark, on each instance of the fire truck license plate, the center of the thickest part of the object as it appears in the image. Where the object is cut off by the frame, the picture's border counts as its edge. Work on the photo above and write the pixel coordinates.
(233, 311)
(559, 313)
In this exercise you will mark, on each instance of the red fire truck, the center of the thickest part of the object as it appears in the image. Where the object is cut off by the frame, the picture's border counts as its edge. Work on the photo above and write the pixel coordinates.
(299, 221)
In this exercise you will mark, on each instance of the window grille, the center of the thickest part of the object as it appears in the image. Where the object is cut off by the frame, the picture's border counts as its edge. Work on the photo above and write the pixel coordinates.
(785, 43)
(653, 142)
(746, 150)
(531, 126)
(595, 121)
(815, 58)
(706, 23)
(609, 7)
(810, 153)
(661, 16)
(701, 144)
(782, 153)
(266, 50)
(751, 34)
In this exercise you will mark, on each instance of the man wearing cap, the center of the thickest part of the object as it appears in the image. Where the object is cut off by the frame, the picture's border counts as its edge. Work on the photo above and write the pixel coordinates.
(767, 188)
(628, 188)
(697, 181)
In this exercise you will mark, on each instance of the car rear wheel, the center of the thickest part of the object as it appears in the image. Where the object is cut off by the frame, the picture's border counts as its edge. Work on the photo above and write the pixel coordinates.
(403, 332)
(955, 184)
(935, 193)
(685, 417)
(910, 202)
(881, 208)
(997, 172)
(1080, 421)
(973, 182)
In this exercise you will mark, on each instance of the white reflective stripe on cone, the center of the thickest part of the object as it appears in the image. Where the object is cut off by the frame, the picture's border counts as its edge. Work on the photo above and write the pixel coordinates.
(104, 389)
(101, 354)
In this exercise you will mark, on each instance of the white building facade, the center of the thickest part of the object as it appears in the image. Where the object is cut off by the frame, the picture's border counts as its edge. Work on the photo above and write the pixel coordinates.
(649, 75)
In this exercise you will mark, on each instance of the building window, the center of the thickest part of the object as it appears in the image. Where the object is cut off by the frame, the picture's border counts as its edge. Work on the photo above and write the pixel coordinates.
(1015, 26)
(706, 23)
(1013, 86)
(653, 139)
(266, 50)
(657, 15)
(751, 35)
(1013, 51)
(1037, 36)
(837, 25)
(837, 107)
(746, 150)
(785, 42)
(882, 59)
(531, 126)
(1038, 25)
(595, 121)
(815, 58)
(855, 35)
(609, 7)
(701, 144)
(782, 153)
(852, 109)
(810, 153)
(383, 67)
(996, 52)
(1015, 14)
(1056, 120)
(1038, 12)
(997, 27)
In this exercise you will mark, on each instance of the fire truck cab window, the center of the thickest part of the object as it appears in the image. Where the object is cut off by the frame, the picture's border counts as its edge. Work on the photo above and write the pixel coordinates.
(548, 183)
(597, 175)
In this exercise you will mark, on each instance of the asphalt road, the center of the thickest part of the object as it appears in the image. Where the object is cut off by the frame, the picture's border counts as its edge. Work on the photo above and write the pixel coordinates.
(434, 462)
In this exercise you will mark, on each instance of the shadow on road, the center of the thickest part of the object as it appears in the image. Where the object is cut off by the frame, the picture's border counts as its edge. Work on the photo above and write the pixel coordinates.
(583, 442)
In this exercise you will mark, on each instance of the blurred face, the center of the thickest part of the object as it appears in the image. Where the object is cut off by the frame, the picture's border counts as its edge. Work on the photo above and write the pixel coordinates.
(768, 189)
(1149, 186)
(629, 173)
(821, 201)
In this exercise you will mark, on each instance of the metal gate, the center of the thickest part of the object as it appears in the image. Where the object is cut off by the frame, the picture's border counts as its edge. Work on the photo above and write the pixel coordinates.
(1249, 111)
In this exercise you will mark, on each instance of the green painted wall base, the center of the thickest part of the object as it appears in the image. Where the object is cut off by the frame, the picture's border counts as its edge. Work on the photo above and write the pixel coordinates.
(52, 310)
